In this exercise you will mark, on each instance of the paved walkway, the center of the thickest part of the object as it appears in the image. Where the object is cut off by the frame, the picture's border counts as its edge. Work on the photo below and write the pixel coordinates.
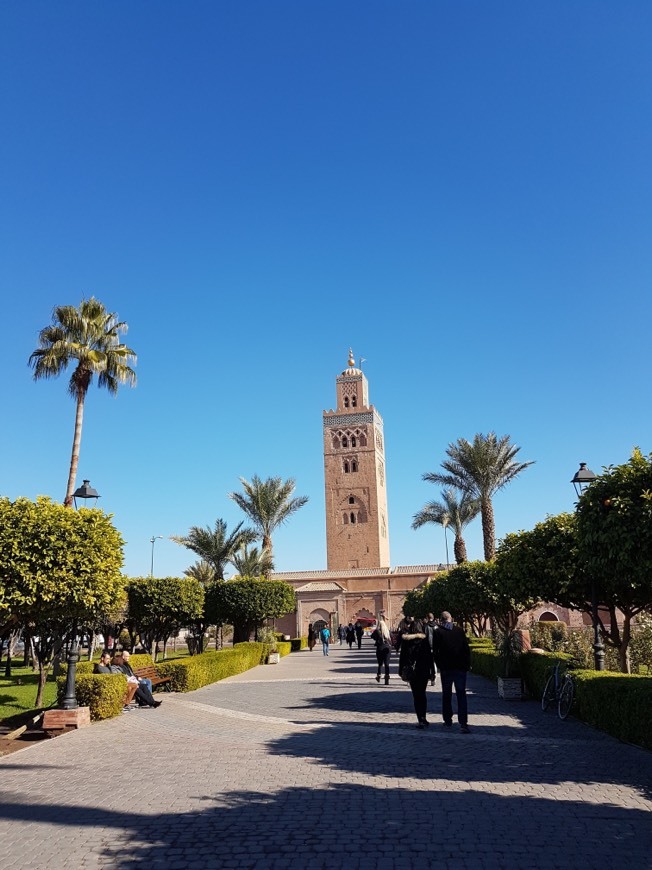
(310, 763)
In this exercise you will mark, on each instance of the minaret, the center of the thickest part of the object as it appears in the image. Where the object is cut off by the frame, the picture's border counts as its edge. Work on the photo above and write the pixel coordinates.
(354, 477)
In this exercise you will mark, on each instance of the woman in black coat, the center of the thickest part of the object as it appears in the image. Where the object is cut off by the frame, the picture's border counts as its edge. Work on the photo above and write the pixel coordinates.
(416, 666)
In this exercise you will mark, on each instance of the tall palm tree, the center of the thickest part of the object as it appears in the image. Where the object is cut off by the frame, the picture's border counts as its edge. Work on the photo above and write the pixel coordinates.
(453, 510)
(215, 546)
(89, 338)
(268, 504)
(480, 468)
(252, 562)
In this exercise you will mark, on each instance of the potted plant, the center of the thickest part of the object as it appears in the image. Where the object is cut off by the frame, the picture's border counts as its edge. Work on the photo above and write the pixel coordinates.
(267, 636)
(508, 647)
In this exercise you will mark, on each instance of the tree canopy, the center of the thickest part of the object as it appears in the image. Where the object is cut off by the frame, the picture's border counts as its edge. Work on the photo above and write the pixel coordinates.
(246, 602)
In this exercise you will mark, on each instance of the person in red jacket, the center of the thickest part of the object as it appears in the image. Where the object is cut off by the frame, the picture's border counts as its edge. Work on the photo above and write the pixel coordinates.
(453, 659)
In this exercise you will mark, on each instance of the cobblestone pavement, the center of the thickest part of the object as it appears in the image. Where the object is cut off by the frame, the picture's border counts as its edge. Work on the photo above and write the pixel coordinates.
(311, 763)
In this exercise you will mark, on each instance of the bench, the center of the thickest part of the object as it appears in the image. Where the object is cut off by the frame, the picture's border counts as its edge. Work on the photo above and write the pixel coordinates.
(152, 674)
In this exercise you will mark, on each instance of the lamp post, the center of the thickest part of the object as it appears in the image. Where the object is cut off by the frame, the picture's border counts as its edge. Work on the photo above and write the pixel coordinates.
(582, 479)
(153, 541)
(85, 491)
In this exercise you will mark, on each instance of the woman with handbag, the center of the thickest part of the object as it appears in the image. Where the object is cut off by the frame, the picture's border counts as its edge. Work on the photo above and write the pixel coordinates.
(416, 666)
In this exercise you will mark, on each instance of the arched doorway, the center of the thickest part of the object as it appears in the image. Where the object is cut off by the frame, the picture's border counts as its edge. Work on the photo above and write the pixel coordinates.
(548, 616)
(319, 619)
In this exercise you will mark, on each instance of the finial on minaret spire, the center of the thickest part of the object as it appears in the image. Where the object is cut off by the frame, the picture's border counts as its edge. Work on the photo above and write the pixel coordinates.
(351, 360)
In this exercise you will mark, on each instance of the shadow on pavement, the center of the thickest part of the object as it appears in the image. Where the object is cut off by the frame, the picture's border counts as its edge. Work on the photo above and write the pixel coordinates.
(303, 827)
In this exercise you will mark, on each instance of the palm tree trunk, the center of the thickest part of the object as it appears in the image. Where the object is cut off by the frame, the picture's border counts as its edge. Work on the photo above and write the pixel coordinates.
(76, 443)
(459, 547)
(488, 529)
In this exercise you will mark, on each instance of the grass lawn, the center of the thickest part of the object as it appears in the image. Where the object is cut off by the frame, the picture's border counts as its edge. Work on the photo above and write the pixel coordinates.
(18, 695)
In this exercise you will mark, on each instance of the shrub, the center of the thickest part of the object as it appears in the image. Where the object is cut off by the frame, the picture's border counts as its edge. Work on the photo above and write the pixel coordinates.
(620, 704)
(485, 661)
(550, 636)
(284, 647)
(189, 674)
(103, 693)
(299, 643)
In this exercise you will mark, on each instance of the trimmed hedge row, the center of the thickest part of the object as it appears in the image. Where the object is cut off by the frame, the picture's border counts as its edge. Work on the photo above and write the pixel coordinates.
(485, 661)
(620, 704)
(192, 673)
(299, 643)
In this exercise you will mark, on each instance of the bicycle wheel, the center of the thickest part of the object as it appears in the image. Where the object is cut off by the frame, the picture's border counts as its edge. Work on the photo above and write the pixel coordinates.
(548, 693)
(566, 698)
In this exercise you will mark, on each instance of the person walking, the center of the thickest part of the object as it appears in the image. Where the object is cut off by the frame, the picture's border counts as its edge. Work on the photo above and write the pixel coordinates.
(358, 634)
(350, 635)
(325, 637)
(453, 657)
(341, 634)
(381, 637)
(416, 666)
(311, 637)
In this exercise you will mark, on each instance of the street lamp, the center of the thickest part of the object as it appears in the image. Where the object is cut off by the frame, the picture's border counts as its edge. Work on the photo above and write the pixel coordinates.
(582, 479)
(153, 541)
(85, 491)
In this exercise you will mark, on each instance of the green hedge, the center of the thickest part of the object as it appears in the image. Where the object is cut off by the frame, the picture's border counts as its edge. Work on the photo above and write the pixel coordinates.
(103, 693)
(142, 660)
(299, 643)
(192, 673)
(620, 704)
(485, 661)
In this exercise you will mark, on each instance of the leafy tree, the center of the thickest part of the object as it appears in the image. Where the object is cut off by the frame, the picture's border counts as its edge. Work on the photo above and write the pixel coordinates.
(268, 504)
(455, 510)
(252, 562)
(481, 468)
(89, 338)
(214, 545)
(160, 606)
(246, 602)
(614, 536)
(59, 571)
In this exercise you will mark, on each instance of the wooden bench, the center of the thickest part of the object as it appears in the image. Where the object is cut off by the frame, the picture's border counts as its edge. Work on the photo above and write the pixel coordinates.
(152, 674)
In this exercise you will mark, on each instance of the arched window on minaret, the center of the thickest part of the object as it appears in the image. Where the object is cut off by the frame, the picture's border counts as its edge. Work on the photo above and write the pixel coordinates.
(354, 465)
(346, 401)
(345, 519)
(354, 441)
(346, 466)
(354, 401)
(351, 500)
(345, 441)
(352, 517)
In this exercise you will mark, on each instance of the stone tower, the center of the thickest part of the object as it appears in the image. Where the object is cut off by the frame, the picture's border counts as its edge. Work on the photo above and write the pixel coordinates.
(354, 477)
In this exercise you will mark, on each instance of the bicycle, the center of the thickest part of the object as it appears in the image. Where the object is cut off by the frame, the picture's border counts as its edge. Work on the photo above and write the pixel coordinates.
(559, 690)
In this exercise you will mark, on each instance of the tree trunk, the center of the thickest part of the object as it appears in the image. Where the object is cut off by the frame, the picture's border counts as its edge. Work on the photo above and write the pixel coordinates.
(459, 548)
(76, 443)
(43, 671)
(623, 649)
(488, 529)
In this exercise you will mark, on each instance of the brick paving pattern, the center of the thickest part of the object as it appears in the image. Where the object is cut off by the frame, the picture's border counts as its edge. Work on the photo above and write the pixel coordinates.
(311, 763)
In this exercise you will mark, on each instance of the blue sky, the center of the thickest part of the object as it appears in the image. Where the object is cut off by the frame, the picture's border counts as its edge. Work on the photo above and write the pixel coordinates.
(460, 191)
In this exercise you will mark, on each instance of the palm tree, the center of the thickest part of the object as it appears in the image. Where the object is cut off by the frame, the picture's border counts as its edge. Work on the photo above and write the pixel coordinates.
(480, 469)
(253, 562)
(214, 545)
(202, 571)
(90, 337)
(455, 511)
(268, 504)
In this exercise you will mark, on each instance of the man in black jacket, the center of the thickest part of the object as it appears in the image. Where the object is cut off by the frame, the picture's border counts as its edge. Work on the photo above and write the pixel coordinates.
(453, 659)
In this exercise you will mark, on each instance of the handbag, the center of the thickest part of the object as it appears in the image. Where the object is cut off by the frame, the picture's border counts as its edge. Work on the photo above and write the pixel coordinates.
(407, 671)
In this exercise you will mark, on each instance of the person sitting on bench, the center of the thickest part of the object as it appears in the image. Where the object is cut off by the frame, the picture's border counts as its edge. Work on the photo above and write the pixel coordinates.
(143, 695)
(128, 670)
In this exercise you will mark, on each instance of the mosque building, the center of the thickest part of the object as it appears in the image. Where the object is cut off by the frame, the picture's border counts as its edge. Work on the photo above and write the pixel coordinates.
(359, 581)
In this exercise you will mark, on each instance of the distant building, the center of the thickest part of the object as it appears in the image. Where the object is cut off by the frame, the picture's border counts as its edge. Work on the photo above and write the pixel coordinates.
(359, 581)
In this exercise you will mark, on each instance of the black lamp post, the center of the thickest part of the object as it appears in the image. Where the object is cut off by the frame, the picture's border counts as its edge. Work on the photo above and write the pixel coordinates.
(85, 491)
(583, 478)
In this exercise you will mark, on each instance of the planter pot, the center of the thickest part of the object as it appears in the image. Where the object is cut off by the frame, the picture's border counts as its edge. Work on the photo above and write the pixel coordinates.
(510, 688)
(273, 658)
